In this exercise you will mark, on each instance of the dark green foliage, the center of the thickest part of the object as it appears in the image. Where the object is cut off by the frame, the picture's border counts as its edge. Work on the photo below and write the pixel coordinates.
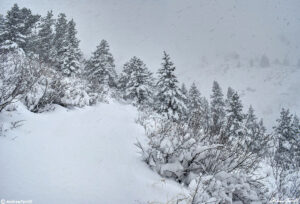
(18, 27)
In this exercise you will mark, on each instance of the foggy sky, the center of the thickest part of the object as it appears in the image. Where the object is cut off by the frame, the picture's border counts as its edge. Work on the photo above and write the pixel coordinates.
(187, 29)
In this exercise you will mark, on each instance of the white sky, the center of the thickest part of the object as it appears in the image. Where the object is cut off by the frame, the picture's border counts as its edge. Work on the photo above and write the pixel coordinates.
(187, 29)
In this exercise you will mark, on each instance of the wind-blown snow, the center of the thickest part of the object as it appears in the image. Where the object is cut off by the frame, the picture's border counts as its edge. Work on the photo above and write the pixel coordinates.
(78, 156)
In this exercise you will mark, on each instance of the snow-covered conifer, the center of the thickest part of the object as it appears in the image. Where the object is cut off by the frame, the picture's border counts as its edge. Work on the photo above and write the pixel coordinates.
(45, 48)
(136, 81)
(72, 54)
(169, 98)
(286, 134)
(185, 93)
(296, 133)
(195, 109)
(60, 41)
(100, 69)
(206, 116)
(230, 92)
(234, 121)
(18, 26)
(286, 156)
(255, 133)
(217, 106)
(194, 99)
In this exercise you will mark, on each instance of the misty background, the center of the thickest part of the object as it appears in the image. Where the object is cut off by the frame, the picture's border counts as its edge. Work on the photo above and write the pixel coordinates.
(191, 31)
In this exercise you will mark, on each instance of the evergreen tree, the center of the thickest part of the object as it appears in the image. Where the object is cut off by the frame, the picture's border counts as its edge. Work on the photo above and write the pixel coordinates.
(296, 133)
(18, 26)
(195, 109)
(287, 134)
(194, 99)
(287, 152)
(136, 81)
(255, 136)
(32, 44)
(101, 68)
(206, 116)
(230, 92)
(217, 106)
(60, 41)
(185, 93)
(169, 97)
(251, 121)
(66, 45)
(72, 54)
(45, 38)
(234, 120)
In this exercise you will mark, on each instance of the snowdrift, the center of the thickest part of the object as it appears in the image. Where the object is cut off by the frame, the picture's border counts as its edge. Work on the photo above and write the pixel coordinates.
(83, 155)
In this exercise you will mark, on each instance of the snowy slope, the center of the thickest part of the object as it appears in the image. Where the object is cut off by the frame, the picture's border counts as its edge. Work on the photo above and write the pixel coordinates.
(78, 156)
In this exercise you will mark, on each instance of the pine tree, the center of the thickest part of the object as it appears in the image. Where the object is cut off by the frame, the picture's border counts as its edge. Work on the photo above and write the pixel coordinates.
(206, 116)
(255, 133)
(136, 81)
(251, 122)
(195, 109)
(100, 68)
(296, 133)
(230, 92)
(169, 98)
(66, 45)
(45, 38)
(18, 26)
(217, 106)
(185, 93)
(32, 44)
(60, 41)
(11, 36)
(234, 121)
(287, 152)
(287, 142)
(72, 54)
(194, 99)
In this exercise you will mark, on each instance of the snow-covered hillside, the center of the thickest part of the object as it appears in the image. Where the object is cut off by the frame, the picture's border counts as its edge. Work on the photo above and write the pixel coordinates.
(78, 156)
(160, 116)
